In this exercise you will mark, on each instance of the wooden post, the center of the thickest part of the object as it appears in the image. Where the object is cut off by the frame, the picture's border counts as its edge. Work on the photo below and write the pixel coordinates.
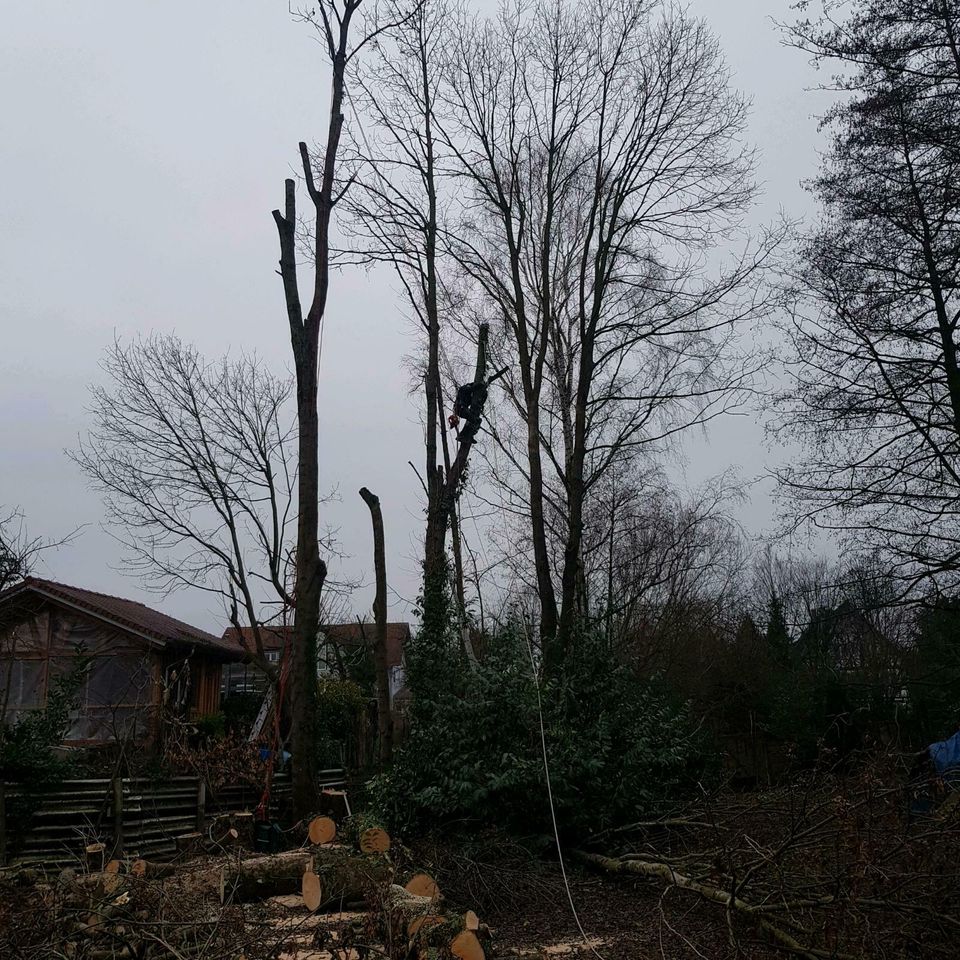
(189, 844)
(94, 855)
(201, 803)
(117, 786)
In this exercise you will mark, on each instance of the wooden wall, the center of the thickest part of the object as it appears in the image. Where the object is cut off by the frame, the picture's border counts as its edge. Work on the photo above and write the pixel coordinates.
(124, 688)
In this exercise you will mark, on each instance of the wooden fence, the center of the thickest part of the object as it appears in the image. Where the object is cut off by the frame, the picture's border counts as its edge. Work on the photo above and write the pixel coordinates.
(142, 816)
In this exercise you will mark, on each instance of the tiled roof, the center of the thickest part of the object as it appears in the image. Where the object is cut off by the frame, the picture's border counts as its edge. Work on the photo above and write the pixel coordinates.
(348, 634)
(125, 613)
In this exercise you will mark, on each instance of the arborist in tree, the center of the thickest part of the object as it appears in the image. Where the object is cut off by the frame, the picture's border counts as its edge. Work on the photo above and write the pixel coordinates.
(469, 403)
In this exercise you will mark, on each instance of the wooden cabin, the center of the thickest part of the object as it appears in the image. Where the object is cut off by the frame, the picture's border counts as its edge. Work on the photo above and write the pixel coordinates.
(138, 664)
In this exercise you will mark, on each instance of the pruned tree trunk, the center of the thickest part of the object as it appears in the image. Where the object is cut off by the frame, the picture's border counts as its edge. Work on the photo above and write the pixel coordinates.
(384, 718)
(449, 484)
(311, 571)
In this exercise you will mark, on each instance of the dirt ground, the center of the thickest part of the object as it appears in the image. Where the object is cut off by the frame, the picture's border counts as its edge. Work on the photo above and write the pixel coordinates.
(620, 919)
(616, 919)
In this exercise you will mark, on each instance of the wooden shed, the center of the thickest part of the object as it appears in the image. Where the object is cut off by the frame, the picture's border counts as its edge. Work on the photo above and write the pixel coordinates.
(138, 663)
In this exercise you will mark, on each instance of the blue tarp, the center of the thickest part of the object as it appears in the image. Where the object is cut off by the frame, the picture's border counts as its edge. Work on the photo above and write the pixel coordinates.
(946, 757)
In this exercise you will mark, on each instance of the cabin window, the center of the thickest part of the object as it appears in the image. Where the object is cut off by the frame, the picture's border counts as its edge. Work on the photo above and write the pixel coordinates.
(21, 687)
(113, 699)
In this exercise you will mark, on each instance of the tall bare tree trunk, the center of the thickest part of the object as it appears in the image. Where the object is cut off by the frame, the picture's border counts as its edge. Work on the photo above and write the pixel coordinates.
(384, 718)
(305, 341)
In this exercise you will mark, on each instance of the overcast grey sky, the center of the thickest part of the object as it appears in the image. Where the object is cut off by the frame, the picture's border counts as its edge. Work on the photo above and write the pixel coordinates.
(143, 148)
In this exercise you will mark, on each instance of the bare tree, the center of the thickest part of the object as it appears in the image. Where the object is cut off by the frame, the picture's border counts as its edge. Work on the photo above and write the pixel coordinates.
(875, 396)
(333, 19)
(659, 567)
(598, 160)
(195, 463)
(18, 550)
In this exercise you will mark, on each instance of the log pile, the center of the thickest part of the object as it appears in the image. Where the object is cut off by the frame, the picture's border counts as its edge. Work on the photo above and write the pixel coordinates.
(418, 925)
(142, 908)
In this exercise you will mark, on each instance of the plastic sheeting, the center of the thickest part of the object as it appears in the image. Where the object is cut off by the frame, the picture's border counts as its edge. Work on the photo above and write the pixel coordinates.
(113, 699)
(945, 755)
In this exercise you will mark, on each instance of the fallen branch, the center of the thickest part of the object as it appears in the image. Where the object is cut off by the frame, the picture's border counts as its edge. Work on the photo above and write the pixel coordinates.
(662, 871)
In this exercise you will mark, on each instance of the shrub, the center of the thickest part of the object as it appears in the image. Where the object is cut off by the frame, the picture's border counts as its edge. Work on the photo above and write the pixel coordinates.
(211, 726)
(240, 711)
(30, 747)
(340, 705)
(618, 748)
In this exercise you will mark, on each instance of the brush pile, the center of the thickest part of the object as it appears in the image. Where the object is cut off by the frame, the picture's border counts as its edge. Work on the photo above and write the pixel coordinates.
(337, 895)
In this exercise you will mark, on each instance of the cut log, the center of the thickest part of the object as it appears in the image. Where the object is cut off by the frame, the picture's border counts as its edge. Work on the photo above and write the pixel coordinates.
(112, 867)
(322, 830)
(374, 840)
(471, 921)
(347, 877)
(311, 890)
(401, 902)
(423, 885)
(263, 877)
(466, 946)
(148, 868)
(412, 914)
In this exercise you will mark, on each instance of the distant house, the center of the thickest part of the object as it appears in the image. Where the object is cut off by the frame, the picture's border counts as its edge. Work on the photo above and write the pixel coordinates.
(342, 644)
(142, 660)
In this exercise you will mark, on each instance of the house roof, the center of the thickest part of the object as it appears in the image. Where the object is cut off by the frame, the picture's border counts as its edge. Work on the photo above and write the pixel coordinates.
(127, 614)
(348, 634)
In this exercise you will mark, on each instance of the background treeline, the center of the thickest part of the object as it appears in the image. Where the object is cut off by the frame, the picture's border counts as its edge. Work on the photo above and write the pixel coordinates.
(735, 672)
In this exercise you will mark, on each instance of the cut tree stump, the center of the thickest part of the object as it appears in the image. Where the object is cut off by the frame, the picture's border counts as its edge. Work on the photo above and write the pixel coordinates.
(189, 844)
(322, 830)
(471, 921)
(94, 855)
(244, 823)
